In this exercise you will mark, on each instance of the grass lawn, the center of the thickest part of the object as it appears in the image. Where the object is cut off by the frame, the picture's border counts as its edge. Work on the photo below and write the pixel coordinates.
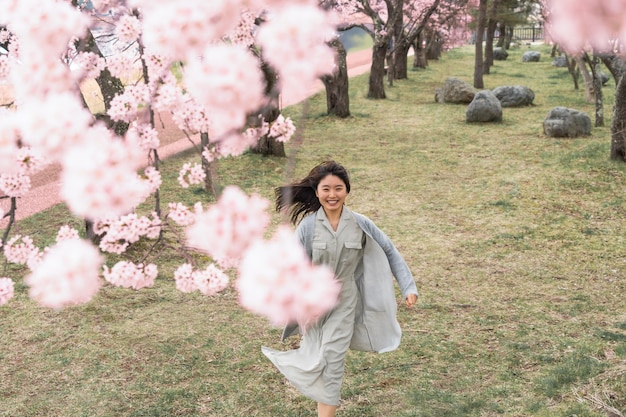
(515, 240)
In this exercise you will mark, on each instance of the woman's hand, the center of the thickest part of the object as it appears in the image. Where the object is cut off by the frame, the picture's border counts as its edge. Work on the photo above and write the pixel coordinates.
(411, 299)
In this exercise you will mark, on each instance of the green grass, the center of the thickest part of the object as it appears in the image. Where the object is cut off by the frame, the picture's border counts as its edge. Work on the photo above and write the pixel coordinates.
(516, 242)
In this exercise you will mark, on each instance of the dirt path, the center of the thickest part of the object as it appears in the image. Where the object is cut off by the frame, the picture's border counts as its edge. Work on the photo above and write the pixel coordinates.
(45, 185)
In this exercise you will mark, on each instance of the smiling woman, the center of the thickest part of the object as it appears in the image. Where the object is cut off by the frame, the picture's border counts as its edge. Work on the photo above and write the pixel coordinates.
(363, 260)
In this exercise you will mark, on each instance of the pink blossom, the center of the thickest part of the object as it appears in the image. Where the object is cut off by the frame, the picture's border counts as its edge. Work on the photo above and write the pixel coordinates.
(52, 23)
(126, 106)
(128, 28)
(121, 65)
(9, 135)
(191, 175)
(6, 290)
(67, 275)
(145, 135)
(153, 178)
(181, 29)
(88, 65)
(5, 67)
(227, 82)
(99, 177)
(301, 56)
(185, 281)
(118, 234)
(278, 281)
(54, 123)
(128, 275)
(227, 228)
(29, 161)
(168, 94)
(574, 23)
(66, 232)
(189, 116)
(211, 280)
(16, 185)
(282, 129)
(19, 249)
(180, 214)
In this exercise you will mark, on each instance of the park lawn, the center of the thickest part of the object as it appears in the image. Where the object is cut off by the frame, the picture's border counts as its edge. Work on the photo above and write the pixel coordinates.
(515, 240)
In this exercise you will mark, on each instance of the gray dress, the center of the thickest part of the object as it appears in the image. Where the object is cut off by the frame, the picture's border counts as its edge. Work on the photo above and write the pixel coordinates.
(316, 369)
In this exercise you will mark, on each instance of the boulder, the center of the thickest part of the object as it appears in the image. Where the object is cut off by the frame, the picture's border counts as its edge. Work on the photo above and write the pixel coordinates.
(485, 107)
(514, 95)
(562, 122)
(531, 56)
(559, 61)
(455, 91)
(500, 54)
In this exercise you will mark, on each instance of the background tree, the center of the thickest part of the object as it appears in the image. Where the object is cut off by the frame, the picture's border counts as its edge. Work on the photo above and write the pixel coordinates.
(480, 30)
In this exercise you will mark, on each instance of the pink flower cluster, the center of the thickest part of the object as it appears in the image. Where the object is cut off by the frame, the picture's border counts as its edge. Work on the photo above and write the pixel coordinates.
(67, 275)
(99, 177)
(6, 290)
(293, 41)
(209, 281)
(282, 129)
(227, 228)
(191, 174)
(181, 215)
(19, 249)
(600, 23)
(66, 233)
(181, 29)
(227, 82)
(128, 28)
(118, 234)
(128, 275)
(278, 281)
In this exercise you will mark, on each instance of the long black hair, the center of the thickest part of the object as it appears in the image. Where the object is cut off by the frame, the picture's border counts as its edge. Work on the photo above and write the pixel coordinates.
(299, 198)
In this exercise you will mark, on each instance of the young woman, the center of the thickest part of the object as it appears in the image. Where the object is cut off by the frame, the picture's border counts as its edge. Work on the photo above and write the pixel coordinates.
(364, 260)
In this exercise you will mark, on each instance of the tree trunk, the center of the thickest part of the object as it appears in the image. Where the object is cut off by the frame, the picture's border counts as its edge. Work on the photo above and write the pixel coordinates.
(502, 30)
(480, 30)
(266, 145)
(508, 38)
(377, 71)
(597, 88)
(491, 31)
(400, 64)
(419, 56)
(614, 64)
(588, 79)
(571, 68)
(433, 47)
(618, 126)
(336, 84)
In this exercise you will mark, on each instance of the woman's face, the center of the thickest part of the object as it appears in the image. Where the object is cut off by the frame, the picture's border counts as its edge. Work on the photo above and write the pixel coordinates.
(332, 193)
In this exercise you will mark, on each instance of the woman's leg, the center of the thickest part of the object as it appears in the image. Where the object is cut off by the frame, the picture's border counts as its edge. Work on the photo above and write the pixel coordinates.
(325, 410)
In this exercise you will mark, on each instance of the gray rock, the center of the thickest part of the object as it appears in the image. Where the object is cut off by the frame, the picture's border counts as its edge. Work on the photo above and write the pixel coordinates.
(559, 61)
(485, 107)
(514, 95)
(500, 54)
(562, 122)
(602, 75)
(455, 91)
(531, 56)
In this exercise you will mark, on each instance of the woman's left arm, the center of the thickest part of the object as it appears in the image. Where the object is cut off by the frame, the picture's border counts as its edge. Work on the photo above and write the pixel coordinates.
(398, 265)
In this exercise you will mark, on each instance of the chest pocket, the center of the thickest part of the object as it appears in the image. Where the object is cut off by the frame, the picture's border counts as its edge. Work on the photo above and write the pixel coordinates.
(319, 252)
(351, 252)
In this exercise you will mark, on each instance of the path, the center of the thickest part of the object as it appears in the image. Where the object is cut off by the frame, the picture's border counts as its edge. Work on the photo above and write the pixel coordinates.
(45, 185)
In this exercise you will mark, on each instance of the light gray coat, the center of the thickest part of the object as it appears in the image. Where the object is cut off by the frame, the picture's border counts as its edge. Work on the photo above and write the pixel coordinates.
(376, 327)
